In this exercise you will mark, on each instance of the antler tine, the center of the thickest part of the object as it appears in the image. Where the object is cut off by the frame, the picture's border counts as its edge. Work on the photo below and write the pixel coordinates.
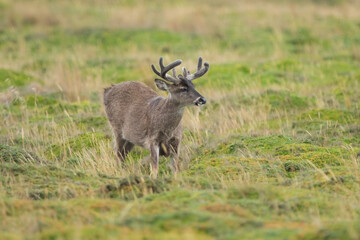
(164, 69)
(184, 72)
(200, 71)
(199, 64)
(155, 71)
(161, 64)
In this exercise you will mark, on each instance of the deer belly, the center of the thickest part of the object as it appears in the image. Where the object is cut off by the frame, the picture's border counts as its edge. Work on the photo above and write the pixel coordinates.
(137, 137)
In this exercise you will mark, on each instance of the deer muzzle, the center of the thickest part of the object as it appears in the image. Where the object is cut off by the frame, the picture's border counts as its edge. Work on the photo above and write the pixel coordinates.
(200, 101)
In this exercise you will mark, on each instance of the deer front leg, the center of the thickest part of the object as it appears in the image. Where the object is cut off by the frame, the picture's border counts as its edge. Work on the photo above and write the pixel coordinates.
(154, 149)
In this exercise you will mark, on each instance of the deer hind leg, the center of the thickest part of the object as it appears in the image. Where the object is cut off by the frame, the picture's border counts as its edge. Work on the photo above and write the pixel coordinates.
(174, 148)
(123, 147)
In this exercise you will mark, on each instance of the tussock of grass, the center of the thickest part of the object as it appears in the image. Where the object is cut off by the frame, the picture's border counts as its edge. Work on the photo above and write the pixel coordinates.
(15, 155)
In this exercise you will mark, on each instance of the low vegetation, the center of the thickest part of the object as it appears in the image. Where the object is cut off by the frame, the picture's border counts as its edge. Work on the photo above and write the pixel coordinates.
(274, 154)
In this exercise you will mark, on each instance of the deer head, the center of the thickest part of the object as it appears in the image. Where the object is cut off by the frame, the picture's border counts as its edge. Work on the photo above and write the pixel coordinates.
(181, 87)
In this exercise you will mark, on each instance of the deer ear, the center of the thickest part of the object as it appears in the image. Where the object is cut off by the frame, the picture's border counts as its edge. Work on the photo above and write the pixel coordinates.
(162, 85)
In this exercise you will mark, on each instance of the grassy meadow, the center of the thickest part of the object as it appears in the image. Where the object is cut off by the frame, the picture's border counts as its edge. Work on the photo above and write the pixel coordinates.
(274, 154)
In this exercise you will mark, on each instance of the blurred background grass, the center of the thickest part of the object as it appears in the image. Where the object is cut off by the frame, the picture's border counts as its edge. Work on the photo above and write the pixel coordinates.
(273, 155)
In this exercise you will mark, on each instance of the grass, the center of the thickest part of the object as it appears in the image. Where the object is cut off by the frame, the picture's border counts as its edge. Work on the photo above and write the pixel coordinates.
(274, 154)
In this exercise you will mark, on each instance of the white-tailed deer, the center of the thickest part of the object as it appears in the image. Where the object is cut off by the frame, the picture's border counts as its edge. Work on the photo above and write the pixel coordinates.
(139, 116)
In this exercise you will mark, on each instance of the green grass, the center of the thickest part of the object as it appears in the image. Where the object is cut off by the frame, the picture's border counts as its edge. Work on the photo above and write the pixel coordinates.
(274, 154)
(10, 78)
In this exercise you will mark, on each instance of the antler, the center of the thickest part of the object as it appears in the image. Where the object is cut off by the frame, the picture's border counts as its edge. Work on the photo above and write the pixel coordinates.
(164, 69)
(199, 73)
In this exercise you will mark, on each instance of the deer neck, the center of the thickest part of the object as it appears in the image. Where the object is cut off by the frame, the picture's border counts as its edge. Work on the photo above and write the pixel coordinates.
(169, 113)
(173, 109)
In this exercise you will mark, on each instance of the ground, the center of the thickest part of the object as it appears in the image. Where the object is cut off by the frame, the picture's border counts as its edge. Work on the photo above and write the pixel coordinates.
(274, 154)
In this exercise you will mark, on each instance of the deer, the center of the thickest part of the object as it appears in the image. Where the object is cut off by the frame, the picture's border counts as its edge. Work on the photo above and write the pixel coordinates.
(139, 116)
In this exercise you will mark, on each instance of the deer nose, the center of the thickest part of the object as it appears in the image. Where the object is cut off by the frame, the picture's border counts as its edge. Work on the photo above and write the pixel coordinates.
(200, 101)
